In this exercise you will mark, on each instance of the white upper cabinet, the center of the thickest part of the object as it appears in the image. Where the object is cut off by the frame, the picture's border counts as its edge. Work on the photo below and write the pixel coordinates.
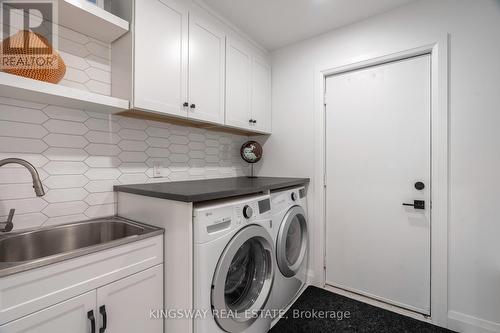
(238, 85)
(261, 95)
(76, 315)
(160, 57)
(248, 89)
(178, 60)
(206, 71)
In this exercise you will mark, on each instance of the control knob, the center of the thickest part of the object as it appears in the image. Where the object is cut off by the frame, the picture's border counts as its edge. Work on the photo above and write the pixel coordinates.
(247, 212)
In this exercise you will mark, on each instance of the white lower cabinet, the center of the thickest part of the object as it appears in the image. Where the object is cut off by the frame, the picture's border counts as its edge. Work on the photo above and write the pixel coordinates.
(69, 316)
(126, 304)
(119, 307)
(110, 291)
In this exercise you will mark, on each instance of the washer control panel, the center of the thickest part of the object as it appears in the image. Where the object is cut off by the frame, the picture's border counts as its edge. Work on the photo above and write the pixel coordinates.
(212, 220)
(252, 210)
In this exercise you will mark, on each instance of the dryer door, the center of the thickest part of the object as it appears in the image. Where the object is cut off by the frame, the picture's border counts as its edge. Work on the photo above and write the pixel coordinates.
(243, 279)
(292, 241)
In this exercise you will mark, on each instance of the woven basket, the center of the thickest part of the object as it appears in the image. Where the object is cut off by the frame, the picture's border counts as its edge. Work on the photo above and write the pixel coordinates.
(48, 67)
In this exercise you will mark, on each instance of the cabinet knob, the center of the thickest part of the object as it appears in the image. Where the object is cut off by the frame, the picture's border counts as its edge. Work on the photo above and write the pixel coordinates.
(186, 104)
(254, 121)
(192, 106)
(250, 121)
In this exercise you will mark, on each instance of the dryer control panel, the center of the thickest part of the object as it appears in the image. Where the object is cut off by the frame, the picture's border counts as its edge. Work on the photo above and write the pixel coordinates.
(283, 200)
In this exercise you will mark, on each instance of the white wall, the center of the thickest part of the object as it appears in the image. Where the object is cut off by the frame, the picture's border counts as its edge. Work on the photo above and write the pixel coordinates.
(474, 227)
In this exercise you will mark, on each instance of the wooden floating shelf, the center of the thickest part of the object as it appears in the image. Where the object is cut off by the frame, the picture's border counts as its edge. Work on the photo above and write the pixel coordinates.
(91, 20)
(19, 87)
(165, 118)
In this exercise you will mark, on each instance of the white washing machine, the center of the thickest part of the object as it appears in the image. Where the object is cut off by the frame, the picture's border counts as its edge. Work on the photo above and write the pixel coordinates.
(291, 241)
(233, 265)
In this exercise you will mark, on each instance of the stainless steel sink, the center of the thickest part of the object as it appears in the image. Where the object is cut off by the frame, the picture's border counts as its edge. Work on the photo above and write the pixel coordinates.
(44, 246)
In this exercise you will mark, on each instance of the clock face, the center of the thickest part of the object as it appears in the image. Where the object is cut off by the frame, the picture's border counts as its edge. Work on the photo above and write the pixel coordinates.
(251, 152)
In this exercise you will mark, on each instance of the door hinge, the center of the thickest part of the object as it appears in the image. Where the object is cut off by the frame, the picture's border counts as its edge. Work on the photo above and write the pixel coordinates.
(324, 179)
(324, 99)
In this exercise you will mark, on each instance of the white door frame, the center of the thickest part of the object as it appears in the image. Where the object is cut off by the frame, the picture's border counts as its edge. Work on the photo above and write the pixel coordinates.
(438, 49)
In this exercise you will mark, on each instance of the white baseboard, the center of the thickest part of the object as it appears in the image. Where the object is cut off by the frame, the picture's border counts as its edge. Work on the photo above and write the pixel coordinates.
(464, 323)
(311, 277)
(379, 304)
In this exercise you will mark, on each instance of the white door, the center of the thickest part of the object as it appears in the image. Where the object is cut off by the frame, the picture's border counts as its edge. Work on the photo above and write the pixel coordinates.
(261, 95)
(76, 315)
(238, 84)
(124, 306)
(206, 71)
(377, 154)
(161, 57)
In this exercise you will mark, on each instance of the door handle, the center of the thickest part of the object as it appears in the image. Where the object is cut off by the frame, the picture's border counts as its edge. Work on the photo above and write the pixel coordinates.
(90, 316)
(102, 311)
(417, 204)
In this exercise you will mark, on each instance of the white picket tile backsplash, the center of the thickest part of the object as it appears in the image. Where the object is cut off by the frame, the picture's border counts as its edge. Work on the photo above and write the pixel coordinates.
(80, 155)
(87, 62)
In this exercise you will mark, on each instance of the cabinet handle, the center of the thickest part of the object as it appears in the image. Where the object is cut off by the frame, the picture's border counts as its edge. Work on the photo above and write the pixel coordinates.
(192, 106)
(90, 316)
(186, 104)
(102, 311)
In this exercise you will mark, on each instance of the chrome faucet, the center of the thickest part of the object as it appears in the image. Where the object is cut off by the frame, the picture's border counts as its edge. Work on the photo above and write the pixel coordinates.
(37, 185)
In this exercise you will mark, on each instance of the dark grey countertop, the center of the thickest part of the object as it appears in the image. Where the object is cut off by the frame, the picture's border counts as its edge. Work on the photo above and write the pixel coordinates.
(210, 189)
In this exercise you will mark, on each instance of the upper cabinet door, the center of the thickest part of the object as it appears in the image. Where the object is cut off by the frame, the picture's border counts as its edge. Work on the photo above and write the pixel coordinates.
(238, 84)
(124, 305)
(261, 95)
(206, 71)
(161, 57)
(73, 315)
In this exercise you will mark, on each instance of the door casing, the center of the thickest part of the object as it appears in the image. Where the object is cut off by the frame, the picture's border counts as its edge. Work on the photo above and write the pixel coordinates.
(437, 47)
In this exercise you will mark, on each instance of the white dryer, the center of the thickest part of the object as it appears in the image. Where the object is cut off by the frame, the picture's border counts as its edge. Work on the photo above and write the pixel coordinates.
(233, 265)
(291, 240)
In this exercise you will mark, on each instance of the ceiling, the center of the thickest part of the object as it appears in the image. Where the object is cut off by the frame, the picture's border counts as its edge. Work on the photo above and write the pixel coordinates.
(276, 23)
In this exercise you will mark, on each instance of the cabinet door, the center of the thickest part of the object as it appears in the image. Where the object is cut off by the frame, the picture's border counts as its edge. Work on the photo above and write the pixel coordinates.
(261, 95)
(127, 303)
(68, 316)
(206, 71)
(238, 84)
(160, 57)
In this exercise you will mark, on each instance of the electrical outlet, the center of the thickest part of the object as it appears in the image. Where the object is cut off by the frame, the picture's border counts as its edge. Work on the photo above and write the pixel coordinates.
(157, 170)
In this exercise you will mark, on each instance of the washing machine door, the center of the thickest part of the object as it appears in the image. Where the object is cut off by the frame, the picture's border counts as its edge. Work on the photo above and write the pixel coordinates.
(243, 279)
(292, 242)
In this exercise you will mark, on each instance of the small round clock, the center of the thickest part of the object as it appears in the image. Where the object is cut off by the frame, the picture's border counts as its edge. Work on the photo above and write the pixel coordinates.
(251, 152)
